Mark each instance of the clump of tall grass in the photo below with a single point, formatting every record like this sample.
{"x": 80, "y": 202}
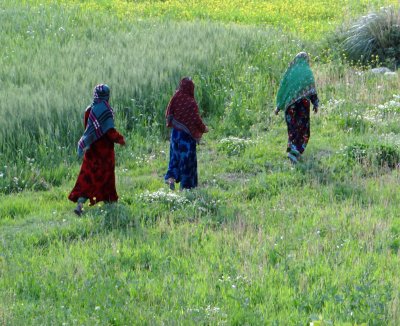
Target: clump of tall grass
{"x": 375, "y": 37}
{"x": 380, "y": 155}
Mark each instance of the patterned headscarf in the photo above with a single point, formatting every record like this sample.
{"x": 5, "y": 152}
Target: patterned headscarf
{"x": 297, "y": 82}
{"x": 183, "y": 113}
{"x": 186, "y": 86}
{"x": 101, "y": 93}
{"x": 101, "y": 118}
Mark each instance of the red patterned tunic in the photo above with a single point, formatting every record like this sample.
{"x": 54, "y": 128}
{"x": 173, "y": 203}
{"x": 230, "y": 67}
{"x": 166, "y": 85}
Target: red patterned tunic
{"x": 96, "y": 179}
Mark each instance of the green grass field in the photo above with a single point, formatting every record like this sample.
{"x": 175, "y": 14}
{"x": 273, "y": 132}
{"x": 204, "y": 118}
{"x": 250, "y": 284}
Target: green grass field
{"x": 260, "y": 242}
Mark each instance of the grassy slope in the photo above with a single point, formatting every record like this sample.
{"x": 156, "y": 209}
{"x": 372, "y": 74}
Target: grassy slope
{"x": 258, "y": 242}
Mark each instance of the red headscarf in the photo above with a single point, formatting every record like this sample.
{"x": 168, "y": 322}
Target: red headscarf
{"x": 182, "y": 111}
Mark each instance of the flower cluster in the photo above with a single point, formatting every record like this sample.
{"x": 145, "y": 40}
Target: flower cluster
{"x": 209, "y": 313}
{"x": 392, "y": 105}
{"x": 171, "y": 199}
{"x": 233, "y": 145}
{"x": 332, "y": 104}
{"x": 383, "y": 113}
{"x": 141, "y": 160}
{"x": 235, "y": 282}
{"x": 391, "y": 138}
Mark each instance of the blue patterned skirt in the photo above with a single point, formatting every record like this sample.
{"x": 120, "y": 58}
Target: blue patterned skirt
{"x": 182, "y": 160}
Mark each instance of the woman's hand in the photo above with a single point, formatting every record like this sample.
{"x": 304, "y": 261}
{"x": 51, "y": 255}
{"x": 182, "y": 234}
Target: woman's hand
{"x": 206, "y": 130}
{"x": 276, "y": 111}
{"x": 315, "y": 109}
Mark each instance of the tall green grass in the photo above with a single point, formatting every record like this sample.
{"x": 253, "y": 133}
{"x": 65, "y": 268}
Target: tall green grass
{"x": 375, "y": 37}
{"x": 55, "y": 56}
{"x": 52, "y": 61}
{"x": 306, "y": 19}
{"x": 279, "y": 246}
{"x": 260, "y": 241}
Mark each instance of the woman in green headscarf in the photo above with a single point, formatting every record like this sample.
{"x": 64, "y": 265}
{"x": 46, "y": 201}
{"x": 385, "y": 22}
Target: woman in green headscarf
{"x": 296, "y": 91}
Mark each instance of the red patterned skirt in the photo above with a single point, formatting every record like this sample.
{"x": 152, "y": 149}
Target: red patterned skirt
{"x": 297, "y": 119}
{"x": 96, "y": 179}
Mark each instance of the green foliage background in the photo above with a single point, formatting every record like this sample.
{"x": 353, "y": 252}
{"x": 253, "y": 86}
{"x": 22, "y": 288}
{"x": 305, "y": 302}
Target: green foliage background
{"x": 260, "y": 241}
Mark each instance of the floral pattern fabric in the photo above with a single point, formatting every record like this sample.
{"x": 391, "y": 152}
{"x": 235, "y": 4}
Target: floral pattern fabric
{"x": 297, "y": 118}
{"x": 183, "y": 113}
{"x": 183, "y": 160}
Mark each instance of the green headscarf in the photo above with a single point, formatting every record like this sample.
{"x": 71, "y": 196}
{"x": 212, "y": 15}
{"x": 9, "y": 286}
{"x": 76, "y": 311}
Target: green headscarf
{"x": 297, "y": 82}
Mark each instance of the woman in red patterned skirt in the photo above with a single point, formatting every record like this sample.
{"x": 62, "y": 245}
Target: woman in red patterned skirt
{"x": 96, "y": 179}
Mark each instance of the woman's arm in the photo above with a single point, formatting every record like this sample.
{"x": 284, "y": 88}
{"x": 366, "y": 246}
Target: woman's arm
{"x": 115, "y": 136}
{"x": 198, "y": 121}
{"x": 315, "y": 101}
{"x": 86, "y": 116}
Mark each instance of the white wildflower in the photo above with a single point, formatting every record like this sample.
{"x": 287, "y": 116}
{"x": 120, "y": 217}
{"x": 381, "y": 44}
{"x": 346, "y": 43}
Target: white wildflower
{"x": 161, "y": 196}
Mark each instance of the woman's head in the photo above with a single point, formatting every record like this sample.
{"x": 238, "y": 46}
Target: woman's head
{"x": 101, "y": 93}
{"x": 302, "y": 55}
{"x": 186, "y": 86}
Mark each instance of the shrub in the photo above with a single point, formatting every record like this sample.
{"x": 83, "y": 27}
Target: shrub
{"x": 379, "y": 155}
{"x": 375, "y": 36}
{"x": 387, "y": 155}
{"x": 233, "y": 146}
{"x": 357, "y": 152}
